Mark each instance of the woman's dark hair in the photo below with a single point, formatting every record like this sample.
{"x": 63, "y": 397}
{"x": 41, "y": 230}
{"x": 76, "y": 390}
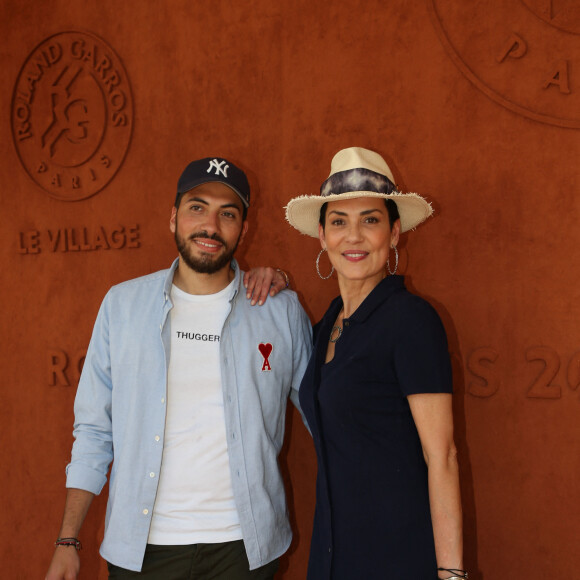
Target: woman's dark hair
{"x": 392, "y": 210}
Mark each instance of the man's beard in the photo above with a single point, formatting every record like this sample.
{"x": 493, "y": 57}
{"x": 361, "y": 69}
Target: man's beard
{"x": 207, "y": 263}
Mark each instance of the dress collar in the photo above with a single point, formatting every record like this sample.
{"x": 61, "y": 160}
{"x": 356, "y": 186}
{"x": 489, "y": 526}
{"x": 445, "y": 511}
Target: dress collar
{"x": 383, "y": 290}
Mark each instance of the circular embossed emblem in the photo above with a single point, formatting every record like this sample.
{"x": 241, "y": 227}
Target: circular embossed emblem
{"x": 520, "y": 53}
{"x": 563, "y": 14}
{"x": 72, "y": 115}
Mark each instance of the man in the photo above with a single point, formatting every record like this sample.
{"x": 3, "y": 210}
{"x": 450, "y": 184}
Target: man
{"x": 184, "y": 389}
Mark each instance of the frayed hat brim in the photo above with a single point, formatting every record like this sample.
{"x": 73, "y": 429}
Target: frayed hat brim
{"x": 303, "y": 212}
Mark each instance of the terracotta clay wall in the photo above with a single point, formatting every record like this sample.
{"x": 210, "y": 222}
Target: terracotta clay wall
{"x": 477, "y": 106}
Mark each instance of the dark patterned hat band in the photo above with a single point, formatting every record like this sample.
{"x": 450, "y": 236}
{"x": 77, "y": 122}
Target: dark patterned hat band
{"x": 358, "y": 179}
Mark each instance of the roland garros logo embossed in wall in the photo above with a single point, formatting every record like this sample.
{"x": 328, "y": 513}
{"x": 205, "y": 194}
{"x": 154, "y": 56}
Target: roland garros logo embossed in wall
{"x": 72, "y": 115}
{"x": 523, "y": 54}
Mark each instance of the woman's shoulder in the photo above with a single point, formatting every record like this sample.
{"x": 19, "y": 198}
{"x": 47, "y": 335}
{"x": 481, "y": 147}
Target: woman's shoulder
{"x": 405, "y": 298}
{"x": 408, "y": 307}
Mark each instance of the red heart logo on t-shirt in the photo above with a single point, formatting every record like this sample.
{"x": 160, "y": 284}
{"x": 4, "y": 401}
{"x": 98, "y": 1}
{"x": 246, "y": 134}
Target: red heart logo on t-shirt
{"x": 266, "y": 350}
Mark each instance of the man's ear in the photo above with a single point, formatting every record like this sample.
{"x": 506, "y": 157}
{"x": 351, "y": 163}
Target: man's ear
{"x": 243, "y": 232}
{"x": 172, "y": 220}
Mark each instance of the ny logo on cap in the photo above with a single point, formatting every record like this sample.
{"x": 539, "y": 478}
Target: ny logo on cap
{"x": 217, "y": 165}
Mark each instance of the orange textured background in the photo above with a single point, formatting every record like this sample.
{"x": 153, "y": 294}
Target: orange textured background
{"x": 279, "y": 87}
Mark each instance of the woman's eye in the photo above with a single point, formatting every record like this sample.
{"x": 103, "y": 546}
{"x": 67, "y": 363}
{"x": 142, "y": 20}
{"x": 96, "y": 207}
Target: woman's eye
{"x": 372, "y": 220}
{"x": 337, "y": 222}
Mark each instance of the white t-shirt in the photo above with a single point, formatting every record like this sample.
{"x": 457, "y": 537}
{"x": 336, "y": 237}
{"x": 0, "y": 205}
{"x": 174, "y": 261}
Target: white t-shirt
{"x": 195, "y": 500}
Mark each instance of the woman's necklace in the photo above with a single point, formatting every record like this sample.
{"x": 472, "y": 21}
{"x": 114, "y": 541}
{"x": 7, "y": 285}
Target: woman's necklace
{"x": 336, "y": 330}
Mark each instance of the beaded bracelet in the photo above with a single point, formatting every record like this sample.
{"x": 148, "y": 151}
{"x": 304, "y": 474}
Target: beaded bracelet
{"x": 456, "y": 573}
{"x": 69, "y": 542}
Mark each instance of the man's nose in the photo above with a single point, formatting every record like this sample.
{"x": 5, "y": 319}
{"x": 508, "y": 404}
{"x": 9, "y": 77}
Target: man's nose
{"x": 211, "y": 222}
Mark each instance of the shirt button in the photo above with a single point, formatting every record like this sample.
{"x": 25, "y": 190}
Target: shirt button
{"x": 233, "y": 435}
{"x": 151, "y": 474}
{"x": 345, "y": 322}
{"x": 163, "y": 399}
{"x": 161, "y": 327}
{"x": 145, "y": 512}
{"x": 157, "y": 437}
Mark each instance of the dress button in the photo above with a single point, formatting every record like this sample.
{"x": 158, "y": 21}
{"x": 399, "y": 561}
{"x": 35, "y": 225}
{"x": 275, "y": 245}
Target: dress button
{"x": 345, "y": 322}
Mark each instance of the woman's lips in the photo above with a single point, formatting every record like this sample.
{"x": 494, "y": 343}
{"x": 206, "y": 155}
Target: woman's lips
{"x": 355, "y": 255}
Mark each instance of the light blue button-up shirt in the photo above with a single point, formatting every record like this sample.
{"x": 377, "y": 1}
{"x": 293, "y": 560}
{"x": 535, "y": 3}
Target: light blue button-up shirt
{"x": 121, "y": 402}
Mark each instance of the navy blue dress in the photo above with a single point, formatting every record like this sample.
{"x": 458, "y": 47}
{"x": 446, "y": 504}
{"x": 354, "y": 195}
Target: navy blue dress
{"x": 372, "y": 518}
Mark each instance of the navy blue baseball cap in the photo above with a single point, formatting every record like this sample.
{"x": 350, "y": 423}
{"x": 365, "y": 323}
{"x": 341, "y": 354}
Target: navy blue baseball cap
{"x": 214, "y": 169}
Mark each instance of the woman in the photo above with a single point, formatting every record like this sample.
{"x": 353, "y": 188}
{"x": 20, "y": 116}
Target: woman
{"x": 377, "y": 391}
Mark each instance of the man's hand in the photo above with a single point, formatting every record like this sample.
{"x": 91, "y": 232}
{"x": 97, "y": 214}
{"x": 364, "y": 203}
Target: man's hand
{"x": 65, "y": 564}
{"x": 263, "y": 281}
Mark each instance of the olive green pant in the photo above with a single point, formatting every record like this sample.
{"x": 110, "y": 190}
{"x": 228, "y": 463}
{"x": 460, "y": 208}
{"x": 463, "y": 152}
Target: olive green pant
{"x": 227, "y": 561}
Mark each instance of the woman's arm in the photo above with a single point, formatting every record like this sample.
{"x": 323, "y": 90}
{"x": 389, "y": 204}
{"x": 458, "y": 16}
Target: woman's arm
{"x": 432, "y": 413}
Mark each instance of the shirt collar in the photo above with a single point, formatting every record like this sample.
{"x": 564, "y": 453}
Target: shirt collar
{"x": 237, "y": 278}
{"x": 169, "y": 279}
{"x": 171, "y": 272}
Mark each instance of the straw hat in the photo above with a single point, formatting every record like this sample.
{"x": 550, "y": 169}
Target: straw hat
{"x": 356, "y": 172}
